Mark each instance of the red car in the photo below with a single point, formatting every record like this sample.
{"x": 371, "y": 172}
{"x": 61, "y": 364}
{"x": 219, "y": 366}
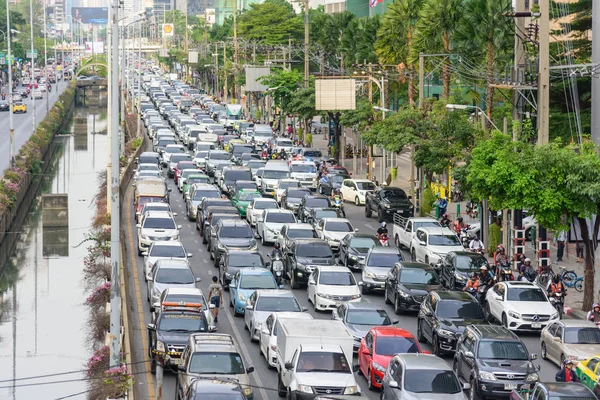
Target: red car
{"x": 378, "y": 347}
{"x": 181, "y": 165}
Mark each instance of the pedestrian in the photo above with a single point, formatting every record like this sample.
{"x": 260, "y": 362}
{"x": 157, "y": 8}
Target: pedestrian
{"x": 560, "y": 243}
{"x": 579, "y": 250}
{"x": 216, "y": 296}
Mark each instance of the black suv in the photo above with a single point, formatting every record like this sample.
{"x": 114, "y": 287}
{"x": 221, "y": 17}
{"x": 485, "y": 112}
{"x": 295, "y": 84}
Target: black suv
{"x": 233, "y": 261}
{"x": 309, "y": 203}
{"x": 202, "y": 211}
{"x": 231, "y": 234}
{"x": 290, "y": 200}
{"x": 302, "y": 256}
{"x": 458, "y": 266}
{"x": 407, "y": 284}
{"x": 494, "y": 361}
{"x": 443, "y": 318}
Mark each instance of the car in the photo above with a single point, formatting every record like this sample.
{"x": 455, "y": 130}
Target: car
{"x": 271, "y": 222}
{"x": 329, "y": 182}
{"x": 317, "y": 214}
{"x": 333, "y": 230}
{"x": 244, "y": 283}
{"x": 284, "y": 144}
{"x": 356, "y": 189}
{"x": 213, "y": 219}
{"x": 196, "y": 194}
{"x": 309, "y": 203}
{"x": 242, "y": 199}
{"x": 569, "y": 340}
{"x": 156, "y": 225}
{"x": 419, "y": 377}
{"x": 239, "y": 185}
{"x": 520, "y": 306}
{"x": 182, "y": 166}
{"x": 145, "y": 167}
{"x": 232, "y": 174}
{"x": 264, "y": 302}
{"x": 200, "y": 158}
{"x": 310, "y": 154}
{"x": 291, "y": 232}
{"x": 267, "y": 341}
{"x": 354, "y": 248}
{"x": 148, "y": 157}
{"x": 430, "y": 245}
{"x": 182, "y": 296}
{"x": 283, "y": 184}
{"x": 302, "y": 257}
{"x": 37, "y": 94}
{"x": 212, "y": 389}
{"x": 215, "y": 158}
{"x": 407, "y": 284}
{"x": 4, "y": 106}
{"x": 184, "y": 176}
{"x": 192, "y": 178}
{"x": 379, "y": 261}
{"x": 493, "y": 361}
{"x": 19, "y": 107}
{"x": 232, "y": 234}
{"x": 359, "y": 318}
{"x": 588, "y": 370}
{"x": 208, "y": 355}
{"x": 203, "y": 209}
{"x": 291, "y": 197}
{"x": 153, "y": 207}
{"x": 458, "y": 266}
{"x": 171, "y": 249}
{"x": 330, "y": 285}
{"x": 256, "y": 206}
{"x": 174, "y": 160}
{"x": 234, "y": 260}
{"x": 386, "y": 202}
{"x": 167, "y": 273}
{"x": 168, "y": 153}
{"x": 378, "y": 347}
{"x": 443, "y": 317}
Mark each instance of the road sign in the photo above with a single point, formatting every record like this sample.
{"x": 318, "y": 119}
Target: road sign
{"x": 35, "y": 54}
{"x": 2, "y": 59}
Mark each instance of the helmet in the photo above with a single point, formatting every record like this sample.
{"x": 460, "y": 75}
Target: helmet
{"x": 527, "y": 260}
{"x": 500, "y": 248}
{"x": 277, "y": 245}
{"x": 596, "y": 305}
{"x": 567, "y": 361}
{"x": 460, "y": 220}
{"x": 483, "y": 268}
{"x": 384, "y": 184}
{"x": 445, "y": 216}
{"x": 383, "y": 224}
{"x": 555, "y": 279}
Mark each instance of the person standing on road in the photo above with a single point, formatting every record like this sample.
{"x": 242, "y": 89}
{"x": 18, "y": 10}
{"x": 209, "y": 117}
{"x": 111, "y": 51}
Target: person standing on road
{"x": 560, "y": 243}
{"x": 216, "y": 296}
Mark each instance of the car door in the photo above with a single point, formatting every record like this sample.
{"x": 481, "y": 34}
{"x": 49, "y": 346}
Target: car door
{"x": 249, "y": 210}
{"x": 407, "y": 237}
{"x": 233, "y": 288}
{"x": 344, "y": 243}
{"x": 352, "y": 191}
{"x": 249, "y": 312}
{"x": 265, "y": 334}
{"x": 345, "y": 189}
{"x": 282, "y": 238}
{"x": 319, "y": 227}
{"x": 390, "y": 283}
{"x": 365, "y": 354}
{"x": 290, "y": 259}
{"x": 428, "y": 316}
{"x": 555, "y": 351}
{"x": 313, "y": 280}
{"x": 390, "y": 375}
{"x": 466, "y": 364}
{"x": 446, "y": 271}
{"x": 422, "y": 246}
{"x": 260, "y": 223}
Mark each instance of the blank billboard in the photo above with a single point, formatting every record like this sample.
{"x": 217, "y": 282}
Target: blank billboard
{"x": 252, "y": 75}
{"x": 335, "y": 94}
{"x": 90, "y": 15}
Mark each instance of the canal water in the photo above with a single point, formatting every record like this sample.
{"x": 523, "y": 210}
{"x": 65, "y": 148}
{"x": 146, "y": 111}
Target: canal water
{"x": 43, "y": 332}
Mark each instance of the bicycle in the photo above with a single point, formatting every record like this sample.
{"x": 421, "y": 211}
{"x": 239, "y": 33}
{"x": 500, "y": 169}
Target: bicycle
{"x": 570, "y": 279}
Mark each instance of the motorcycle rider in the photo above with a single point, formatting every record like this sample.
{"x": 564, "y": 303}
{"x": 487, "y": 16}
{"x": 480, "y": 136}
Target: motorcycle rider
{"x": 382, "y": 230}
{"x": 594, "y": 314}
{"x": 556, "y": 287}
{"x": 500, "y": 258}
{"x": 445, "y": 221}
{"x": 276, "y": 251}
{"x": 476, "y": 245}
{"x": 282, "y": 154}
{"x": 459, "y": 225}
{"x": 374, "y": 180}
{"x": 486, "y": 277}
{"x": 442, "y": 204}
{"x": 337, "y": 198}
{"x": 528, "y": 272}
{"x": 472, "y": 284}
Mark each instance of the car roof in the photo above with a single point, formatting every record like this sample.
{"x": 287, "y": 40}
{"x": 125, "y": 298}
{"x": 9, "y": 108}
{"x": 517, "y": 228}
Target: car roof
{"x": 412, "y": 264}
{"x": 184, "y": 290}
{"x": 255, "y": 271}
{"x": 359, "y": 235}
{"x": 423, "y": 361}
{"x": 248, "y": 190}
{"x": 567, "y": 390}
{"x": 279, "y": 211}
{"x": 173, "y": 263}
{"x": 275, "y": 293}
{"x": 307, "y": 227}
{"x": 332, "y": 268}
{"x": 358, "y": 180}
{"x": 520, "y": 284}
{"x": 364, "y": 306}
{"x": 336, "y": 219}
{"x": 436, "y": 231}
{"x": 301, "y": 241}
{"x": 234, "y": 222}
{"x": 159, "y": 214}
{"x": 172, "y": 243}
{"x": 576, "y": 323}
{"x": 493, "y": 332}
{"x": 461, "y": 296}
{"x": 390, "y": 330}
{"x": 384, "y": 250}
{"x": 208, "y": 387}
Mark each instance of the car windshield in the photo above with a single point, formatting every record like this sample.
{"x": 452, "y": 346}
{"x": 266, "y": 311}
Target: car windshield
{"x": 175, "y": 158}
{"x": 245, "y": 260}
{"x": 174, "y": 276}
{"x": 296, "y": 194}
{"x": 148, "y": 167}
{"x": 210, "y": 194}
{"x": 383, "y": 260}
{"x": 326, "y": 214}
{"x": 236, "y": 232}
{"x": 317, "y": 202}
{"x": 341, "y": 278}
{"x": 165, "y": 142}
{"x": 181, "y": 323}
{"x": 258, "y": 282}
{"x": 431, "y": 381}
{"x": 232, "y": 176}
{"x": 219, "y": 156}
{"x": 187, "y": 165}
{"x": 304, "y": 168}
{"x": 197, "y": 179}
{"x": 394, "y": 194}
{"x": 277, "y": 304}
{"x": 390, "y": 345}
{"x": 239, "y": 150}
{"x": 338, "y": 226}
{"x": 275, "y": 174}
{"x": 313, "y": 153}
{"x": 233, "y": 394}
{"x": 255, "y": 164}
{"x": 176, "y": 149}
{"x": 216, "y": 363}
{"x": 288, "y": 184}
{"x": 418, "y": 276}
{"x": 337, "y": 178}
{"x": 167, "y": 251}
{"x": 301, "y": 233}
{"x": 525, "y": 294}
{"x": 247, "y": 196}
{"x": 187, "y": 172}
{"x": 187, "y": 298}
{"x": 368, "y": 317}
{"x": 365, "y": 185}
{"x": 263, "y": 134}
{"x": 579, "y": 335}
{"x": 469, "y": 263}
{"x": 314, "y": 250}
{"x": 265, "y": 205}
{"x": 201, "y": 154}
{"x": 451, "y": 309}
{"x": 159, "y": 223}
{"x": 280, "y": 217}
{"x": 322, "y": 362}
{"x": 146, "y": 200}
{"x": 149, "y": 160}
{"x": 498, "y": 350}
{"x": 363, "y": 243}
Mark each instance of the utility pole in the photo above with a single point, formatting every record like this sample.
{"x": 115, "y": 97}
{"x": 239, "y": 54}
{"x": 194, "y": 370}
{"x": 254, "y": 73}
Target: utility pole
{"x": 32, "y": 72}
{"x": 290, "y": 54}
{"x": 9, "y": 62}
{"x": 543, "y": 117}
{"x": 235, "y": 53}
{"x": 418, "y": 184}
{"x": 596, "y": 62}
{"x": 306, "y": 42}
{"x": 370, "y": 166}
{"x": 217, "y": 70}
{"x": 139, "y": 82}
{"x": 45, "y": 60}
{"x": 225, "y": 94}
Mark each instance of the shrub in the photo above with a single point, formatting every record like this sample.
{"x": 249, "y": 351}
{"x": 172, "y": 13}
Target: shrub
{"x": 308, "y": 141}
{"x": 428, "y": 200}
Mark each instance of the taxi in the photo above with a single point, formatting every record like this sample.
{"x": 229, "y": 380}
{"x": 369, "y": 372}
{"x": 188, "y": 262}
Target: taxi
{"x": 19, "y": 108}
{"x": 232, "y": 141}
{"x": 588, "y": 370}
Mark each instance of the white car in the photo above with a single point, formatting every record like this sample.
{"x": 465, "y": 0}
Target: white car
{"x": 37, "y": 94}
{"x": 305, "y": 172}
{"x": 256, "y": 208}
{"x": 153, "y": 207}
{"x": 333, "y": 230}
{"x": 205, "y": 146}
{"x": 164, "y": 249}
{"x": 167, "y": 273}
{"x": 328, "y": 286}
{"x": 356, "y": 189}
{"x": 154, "y": 226}
{"x": 268, "y": 334}
{"x": 282, "y": 185}
{"x": 170, "y": 150}
{"x": 431, "y": 245}
{"x": 269, "y": 224}
{"x": 291, "y": 232}
{"x": 520, "y": 306}
{"x": 264, "y": 302}
{"x": 284, "y": 144}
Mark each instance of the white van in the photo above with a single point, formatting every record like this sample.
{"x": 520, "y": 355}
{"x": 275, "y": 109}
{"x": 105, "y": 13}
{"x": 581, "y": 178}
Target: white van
{"x": 305, "y": 172}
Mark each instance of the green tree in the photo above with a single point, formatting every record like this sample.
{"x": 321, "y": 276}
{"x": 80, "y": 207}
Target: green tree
{"x": 303, "y": 103}
{"x": 272, "y": 22}
{"x": 219, "y": 33}
{"x": 283, "y": 86}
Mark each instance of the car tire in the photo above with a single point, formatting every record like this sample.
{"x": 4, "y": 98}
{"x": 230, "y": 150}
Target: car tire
{"x": 386, "y": 298}
{"x": 321, "y": 190}
{"x": 452, "y": 284}
{"x": 397, "y": 309}
{"x": 281, "y": 390}
{"x": 544, "y": 352}
{"x": 380, "y": 215}
{"x": 435, "y": 344}
{"x": 153, "y": 366}
{"x": 370, "y": 381}
{"x": 364, "y": 290}
{"x": 413, "y": 255}
{"x": 473, "y": 392}
{"x": 427, "y": 260}
{"x": 293, "y": 283}
{"x": 356, "y": 201}
{"x": 504, "y": 321}
{"x": 420, "y": 337}
{"x": 487, "y": 312}
{"x": 368, "y": 212}
{"x": 262, "y": 240}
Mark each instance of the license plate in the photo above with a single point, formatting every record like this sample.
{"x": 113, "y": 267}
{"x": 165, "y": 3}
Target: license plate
{"x": 536, "y": 325}
{"x": 175, "y": 361}
{"x": 510, "y": 386}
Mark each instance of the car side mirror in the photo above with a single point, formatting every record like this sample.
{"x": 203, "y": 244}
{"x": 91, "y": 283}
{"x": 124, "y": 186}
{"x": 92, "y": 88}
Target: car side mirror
{"x": 212, "y": 328}
{"x": 174, "y": 214}
{"x": 311, "y": 282}
{"x": 469, "y": 354}
{"x": 187, "y": 196}
{"x": 138, "y": 225}
{"x": 394, "y": 322}
{"x": 256, "y": 236}
{"x": 181, "y": 368}
{"x": 151, "y": 327}
{"x": 149, "y": 278}
{"x": 355, "y": 229}
{"x": 360, "y": 283}
{"x": 466, "y": 386}
{"x": 265, "y": 331}
{"x": 249, "y": 307}
{"x": 250, "y": 369}
{"x": 304, "y": 309}
{"x": 538, "y": 367}
{"x": 355, "y": 368}
{"x": 179, "y": 226}
{"x": 393, "y": 384}
{"x": 534, "y": 356}
{"x": 288, "y": 365}
{"x": 428, "y": 314}
{"x": 198, "y": 279}
{"x": 144, "y": 253}
{"x": 422, "y": 243}
{"x": 557, "y": 339}
{"x": 190, "y": 255}
{"x": 366, "y": 352}
{"x": 499, "y": 298}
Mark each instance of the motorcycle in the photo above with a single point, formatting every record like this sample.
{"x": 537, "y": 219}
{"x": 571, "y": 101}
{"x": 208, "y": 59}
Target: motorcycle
{"x": 558, "y": 301}
{"x": 337, "y": 203}
{"x": 465, "y": 237}
{"x": 506, "y": 273}
{"x": 277, "y": 268}
{"x": 472, "y": 292}
{"x": 384, "y": 240}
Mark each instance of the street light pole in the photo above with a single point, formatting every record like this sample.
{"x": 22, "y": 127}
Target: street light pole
{"x": 32, "y": 61}
{"x": 9, "y": 63}
{"x": 139, "y": 80}
{"x": 465, "y": 107}
{"x": 46, "y": 60}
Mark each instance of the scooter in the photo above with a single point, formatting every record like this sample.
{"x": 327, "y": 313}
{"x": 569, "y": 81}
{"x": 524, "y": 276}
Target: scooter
{"x": 384, "y": 240}
{"x": 277, "y": 268}
{"x": 337, "y": 203}
{"x": 558, "y": 301}
{"x": 465, "y": 237}
{"x": 506, "y": 273}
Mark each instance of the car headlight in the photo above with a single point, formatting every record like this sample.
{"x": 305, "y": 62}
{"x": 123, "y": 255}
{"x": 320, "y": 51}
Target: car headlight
{"x": 386, "y": 205}
{"x": 355, "y": 296}
{"x": 273, "y": 231}
{"x": 305, "y": 389}
{"x": 221, "y": 247}
{"x": 533, "y": 377}
{"x": 160, "y": 346}
{"x": 357, "y": 338}
{"x": 554, "y": 316}
{"x": 175, "y": 237}
{"x": 488, "y": 376}
{"x": 445, "y": 332}
{"x": 460, "y": 278}
{"x": 247, "y": 392}
{"x": 324, "y": 295}
{"x": 354, "y": 258}
{"x": 228, "y": 275}
{"x": 514, "y": 314}
{"x": 254, "y": 246}
{"x": 403, "y": 294}
{"x": 378, "y": 367}
{"x": 241, "y": 296}
{"x": 144, "y": 237}
{"x": 301, "y": 267}
{"x": 155, "y": 292}
{"x": 370, "y": 275}
{"x": 351, "y": 390}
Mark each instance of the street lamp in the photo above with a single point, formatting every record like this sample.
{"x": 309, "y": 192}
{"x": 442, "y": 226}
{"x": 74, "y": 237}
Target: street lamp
{"x": 451, "y": 107}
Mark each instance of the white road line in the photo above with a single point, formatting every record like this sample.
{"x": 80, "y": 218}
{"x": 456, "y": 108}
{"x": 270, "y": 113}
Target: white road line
{"x": 369, "y": 226}
{"x": 196, "y": 241}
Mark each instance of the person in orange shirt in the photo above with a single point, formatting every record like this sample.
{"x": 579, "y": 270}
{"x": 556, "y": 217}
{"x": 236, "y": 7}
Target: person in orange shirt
{"x": 472, "y": 284}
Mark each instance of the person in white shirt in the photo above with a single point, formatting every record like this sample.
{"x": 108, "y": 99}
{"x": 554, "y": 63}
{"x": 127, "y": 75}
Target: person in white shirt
{"x": 560, "y": 244}
{"x": 476, "y": 244}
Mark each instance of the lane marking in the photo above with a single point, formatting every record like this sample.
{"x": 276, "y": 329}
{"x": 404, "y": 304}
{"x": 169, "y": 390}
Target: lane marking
{"x": 368, "y": 225}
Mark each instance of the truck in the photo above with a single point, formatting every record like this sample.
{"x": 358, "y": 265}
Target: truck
{"x": 553, "y": 390}
{"x": 149, "y": 191}
{"x": 405, "y": 228}
{"x": 314, "y": 357}
{"x": 387, "y": 201}
{"x": 233, "y": 113}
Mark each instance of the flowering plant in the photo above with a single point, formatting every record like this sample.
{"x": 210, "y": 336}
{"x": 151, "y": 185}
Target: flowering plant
{"x": 99, "y": 296}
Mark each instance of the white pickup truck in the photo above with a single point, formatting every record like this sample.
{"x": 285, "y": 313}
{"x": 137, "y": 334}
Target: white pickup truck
{"x": 314, "y": 357}
{"x": 405, "y": 228}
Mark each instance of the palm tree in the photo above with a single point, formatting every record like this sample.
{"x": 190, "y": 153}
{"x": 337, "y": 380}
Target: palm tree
{"x": 485, "y": 34}
{"x": 435, "y": 28}
{"x": 395, "y": 37}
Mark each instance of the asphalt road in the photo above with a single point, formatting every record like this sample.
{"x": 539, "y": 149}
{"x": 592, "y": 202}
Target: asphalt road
{"x": 203, "y": 267}
{"x": 23, "y": 123}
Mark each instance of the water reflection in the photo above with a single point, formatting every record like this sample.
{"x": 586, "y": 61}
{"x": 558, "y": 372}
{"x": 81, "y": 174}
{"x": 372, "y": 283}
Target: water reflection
{"x": 42, "y": 316}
